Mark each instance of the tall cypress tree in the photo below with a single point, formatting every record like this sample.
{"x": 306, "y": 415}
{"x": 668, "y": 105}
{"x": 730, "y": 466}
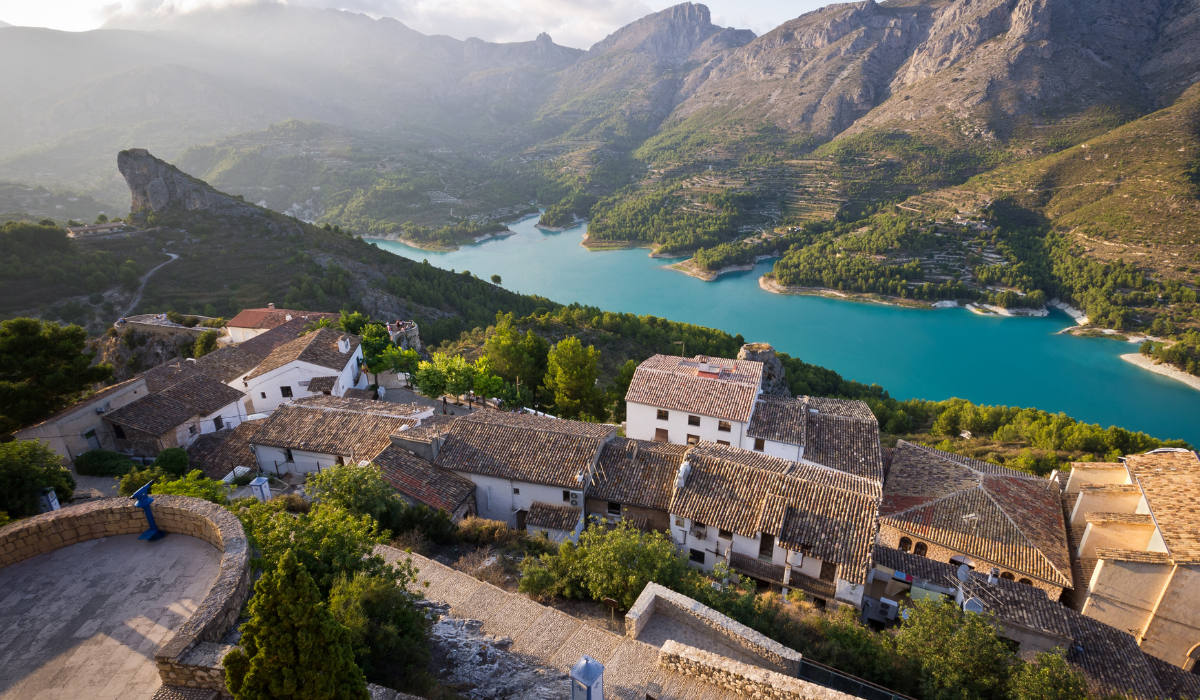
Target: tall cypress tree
{"x": 292, "y": 647}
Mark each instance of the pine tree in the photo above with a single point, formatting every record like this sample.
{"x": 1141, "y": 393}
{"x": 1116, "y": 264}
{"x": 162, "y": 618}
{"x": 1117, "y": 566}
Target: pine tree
{"x": 292, "y": 647}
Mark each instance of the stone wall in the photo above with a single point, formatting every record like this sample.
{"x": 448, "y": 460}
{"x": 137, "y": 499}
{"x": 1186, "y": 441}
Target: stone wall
{"x": 656, "y": 599}
{"x": 192, "y": 657}
{"x": 744, "y": 679}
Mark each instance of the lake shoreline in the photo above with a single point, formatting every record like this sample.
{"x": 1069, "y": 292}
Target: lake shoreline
{"x": 689, "y": 268}
{"x": 1149, "y": 363}
{"x": 770, "y": 285}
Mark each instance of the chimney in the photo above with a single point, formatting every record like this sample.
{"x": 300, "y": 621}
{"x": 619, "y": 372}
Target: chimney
{"x": 993, "y": 576}
{"x": 287, "y": 317}
{"x": 270, "y": 304}
{"x": 344, "y": 344}
{"x": 681, "y": 478}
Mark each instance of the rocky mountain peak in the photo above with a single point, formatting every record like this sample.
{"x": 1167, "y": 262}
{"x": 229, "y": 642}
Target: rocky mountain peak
{"x": 155, "y": 185}
{"x": 670, "y": 36}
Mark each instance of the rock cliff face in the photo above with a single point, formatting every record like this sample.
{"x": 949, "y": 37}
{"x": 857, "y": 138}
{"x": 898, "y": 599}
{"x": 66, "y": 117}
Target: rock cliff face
{"x": 156, "y": 185}
{"x": 774, "y": 383}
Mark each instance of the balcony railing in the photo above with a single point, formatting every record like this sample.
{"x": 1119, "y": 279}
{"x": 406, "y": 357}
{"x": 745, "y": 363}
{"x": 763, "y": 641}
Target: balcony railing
{"x": 698, "y": 533}
{"x": 764, "y": 571}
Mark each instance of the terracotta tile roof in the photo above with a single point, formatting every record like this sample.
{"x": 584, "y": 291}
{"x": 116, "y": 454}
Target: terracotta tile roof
{"x": 421, "y": 481}
{"x": 779, "y": 420}
{"x": 637, "y": 473}
{"x": 924, "y": 568}
{"x": 228, "y": 363}
{"x": 168, "y": 374}
{"x": 1122, "y": 518}
{"x": 1097, "y": 465}
{"x": 554, "y": 517}
{"x": 348, "y": 403}
{"x": 1015, "y": 522}
{"x": 1133, "y": 555}
{"x": 727, "y": 392}
{"x": 264, "y": 343}
{"x": 850, "y": 445}
{"x": 273, "y": 318}
{"x": 1175, "y": 682}
{"x": 809, "y": 472}
{"x": 1111, "y": 660}
{"x": 1170, "y": 480}
{"x": 318, "y": 348}
{"x": 329, "y": 430}
{"x": 1017, "y": 603}
{"x": 429, "y": 429}
{"x": 216, "y": 454}
{"x": 203, "y": 393}
{"x": 524, "y": 448}
{"x": 322, "y": 383}
{"x": 841, "y": 407}
{"x": 154, "y": 414}
{"x": 831, "y": 523}
{"x": 361, "y": 394}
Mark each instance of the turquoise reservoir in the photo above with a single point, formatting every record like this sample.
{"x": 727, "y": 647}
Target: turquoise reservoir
{"x": 930, "y": 354}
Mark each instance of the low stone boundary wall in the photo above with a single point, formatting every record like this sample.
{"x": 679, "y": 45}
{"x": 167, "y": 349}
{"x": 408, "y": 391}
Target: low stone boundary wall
{"x": 191, "y": 658}
{"x": 656, "y": 599}
{"x": 744, "y": 679}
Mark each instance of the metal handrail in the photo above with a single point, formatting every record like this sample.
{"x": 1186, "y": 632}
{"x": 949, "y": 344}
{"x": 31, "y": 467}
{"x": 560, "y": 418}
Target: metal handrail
{"x": 831, "y": 678}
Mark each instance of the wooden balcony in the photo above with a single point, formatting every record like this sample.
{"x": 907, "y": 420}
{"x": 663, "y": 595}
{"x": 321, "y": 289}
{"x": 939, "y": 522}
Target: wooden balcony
{"x": 755, "y": 568}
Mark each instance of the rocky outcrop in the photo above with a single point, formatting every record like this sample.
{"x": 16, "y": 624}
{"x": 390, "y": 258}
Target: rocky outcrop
{"x": 156, "y": 186}
{"x": 774, "y": 382}
{"x": 669, "y": 37}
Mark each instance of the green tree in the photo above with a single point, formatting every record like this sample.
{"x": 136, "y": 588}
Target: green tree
{"x": 1050, "y": 678}
{"x": 206, "y": 343}
{"x": 619, "y": 388}
{"x": 514, "y": 355}
{"x": 292, "y": 647}
{"x": 317, "y": 325}
{"x": 375, "y": 340}
{"x": 959, "y": 656}
{"x": 460, "y": 374}
{"x": 399, "y": 361}
{"x": 27, "y": 467}
{"x": 387, "y": 629}
{"x": 359, "y": 490}
{"x": 43, "y": 367}
{"x": 103, "y": 463}
{"x": 353, "y": 322}
{"x": 328, "y": 540}
{"x": 571, "y": 373}
{"x": 487, "y": 384}
{"x": 429, "y": 380}
{"x": 196, "y": 485}
{"x": 173, "y": 460}
{"x": 495, "y": 279}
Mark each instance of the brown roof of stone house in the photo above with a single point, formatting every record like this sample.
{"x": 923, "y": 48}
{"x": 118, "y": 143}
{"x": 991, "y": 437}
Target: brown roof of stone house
{"x": 1097, "y": 465}
{"x": 553, "y": 517}
{"x": 228, "y": 363}
{"x": 168, "y": 374}
{"x": 1015, "y": 522}
{"x": 846, "y": 408}
{"x": 831, "y": 523}
{"x": 779, "y": 420}
{"x": 329, "y": 430}
{"x": 524, "y": 448}
{"x": 264, "y": 343}
{"x": 322, "y": 383}
{"x": 203, "y": 393}
{"x": 421, "y": 481}
{"x": 430, "y": 428}
{"x": 637, "y": 473}
{"x": 154, "y": 414}
{"x": 1109, "y": 659}
{"x": 1170, "y": 480}
{"x": 850, "y": 445}
{"x": 676, "y": 383}
{"x": 217, "y": 453}
{"x": 360, "y": 394}
{"x": 273, "y": 318}
{"x": 318, "y": 348}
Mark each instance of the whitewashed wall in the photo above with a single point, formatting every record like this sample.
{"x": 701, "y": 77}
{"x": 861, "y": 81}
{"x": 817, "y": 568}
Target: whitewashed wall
{"x": 642, "y": 421}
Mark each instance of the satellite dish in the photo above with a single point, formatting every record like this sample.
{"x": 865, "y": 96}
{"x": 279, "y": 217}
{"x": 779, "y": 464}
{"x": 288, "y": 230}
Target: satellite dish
{"x": 963, "y": 572}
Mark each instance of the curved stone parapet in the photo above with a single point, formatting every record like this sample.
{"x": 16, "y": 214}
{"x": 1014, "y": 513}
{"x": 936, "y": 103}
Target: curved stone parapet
{"x": 192, "y": 656}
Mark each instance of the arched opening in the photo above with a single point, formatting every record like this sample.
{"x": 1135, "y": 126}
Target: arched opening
{"x": 1026, "y": 581}
{"x": 920, "y": 549}
{"x": 1007, "y": 576}
{"x": 905, "y": 544}
{"x": 959, "y": 560}
{"x": 1193, "y": 660}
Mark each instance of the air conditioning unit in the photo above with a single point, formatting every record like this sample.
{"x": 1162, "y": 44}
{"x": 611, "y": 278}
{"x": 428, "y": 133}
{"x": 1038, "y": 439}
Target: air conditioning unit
{"x": 576, "y": 499}
{"x": 887, "y": 608}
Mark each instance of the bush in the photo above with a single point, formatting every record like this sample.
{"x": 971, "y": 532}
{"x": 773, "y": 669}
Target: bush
{"x": 362, "y": 491}
{"x": 1048, "y": 679}
{"x": 137, "y": 478}
{"x": 27, "y": 467}
{"x": 173, "y": 460}
{"x": 387, "y": 629}
{"x": 196, "y": 485}
{"x": 293, "y": 503}
{"x": 103, "y": 463}
{"x": 244, "y": 479}
{"x": 483, "y": 532}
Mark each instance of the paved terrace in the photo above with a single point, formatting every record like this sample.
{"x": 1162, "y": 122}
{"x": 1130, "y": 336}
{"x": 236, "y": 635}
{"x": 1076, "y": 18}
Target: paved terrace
{"x": 552, "y": 638}
{"x": 85, "y": 621}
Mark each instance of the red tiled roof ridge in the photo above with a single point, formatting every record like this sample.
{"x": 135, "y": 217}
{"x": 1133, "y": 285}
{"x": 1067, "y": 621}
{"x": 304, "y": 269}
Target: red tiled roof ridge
{"x": 1025, "y": 536}
{"x": 971, "y": 462}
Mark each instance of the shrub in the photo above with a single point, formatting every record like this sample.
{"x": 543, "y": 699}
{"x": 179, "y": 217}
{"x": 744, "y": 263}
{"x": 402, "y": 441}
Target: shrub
{"x": 958, "y": 655}
{"x": 27, "y": 467}
{"x": 387, "y": 629}
{"x": 173, "y": 460}
{"x": 1048, "y": 679}
{"x": 244, "y": 479}
{"x": 137, "y": 478}
{"x": 293, "y": 503}
{"x": 103, "y": 463}
{"x": 196, "y": 485}
{"x": 483, "y": 532}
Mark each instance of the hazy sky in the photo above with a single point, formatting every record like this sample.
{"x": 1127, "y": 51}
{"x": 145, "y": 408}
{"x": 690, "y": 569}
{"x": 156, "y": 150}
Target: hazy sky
{"x": 571, "y": 22}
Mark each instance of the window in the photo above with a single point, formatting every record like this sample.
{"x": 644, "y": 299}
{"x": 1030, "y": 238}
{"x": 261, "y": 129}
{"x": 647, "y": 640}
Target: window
{"x": 1007, "y": 576}
{"x": 516, "y": 490}
{"x": 722, "y": 442}
{"x": 1026, "y": 581}
{"x": 660, "y": 435}
{"x": 693, "y": 439}
{"x": 264, "y": 394}
{"x": 218, "y": 423}
{"x": 724, "y": 426}
{"x": 614, "y": 508}
{"x": 828, "y": 571}
{"x": 286, "y": 391}
{"x": 696, "y": 556}
{"x": 759, "y": 444}
{"x": 905, "y": 544}
{"x": 678, "y": 522}
{"x": 693, "y": 420}
{"x": 288, "y": 454}
{"x": 663, "y": 415}
{"x": 725, "y": 534}
{"x": 566, "y": 496}
{"x": 766, "y": 546}
{"x": 920, "y": 549}
{"x": 119, "y": 432}
{"x": 191, "y": 430}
